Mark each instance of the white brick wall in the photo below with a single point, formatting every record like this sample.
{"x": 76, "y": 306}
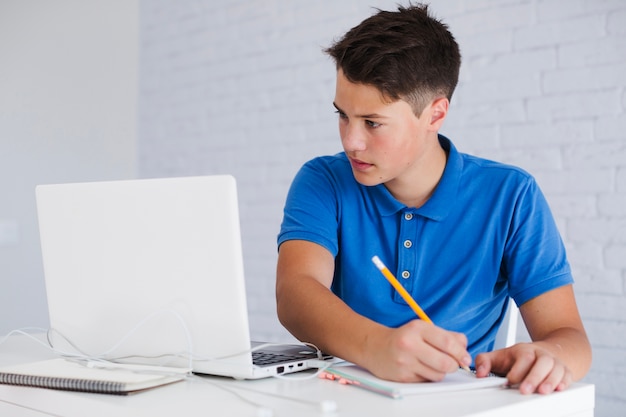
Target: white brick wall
{"x": 242, "y": 87}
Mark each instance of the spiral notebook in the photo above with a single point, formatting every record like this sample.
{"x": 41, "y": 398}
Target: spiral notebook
{"x": 62, "y": 374}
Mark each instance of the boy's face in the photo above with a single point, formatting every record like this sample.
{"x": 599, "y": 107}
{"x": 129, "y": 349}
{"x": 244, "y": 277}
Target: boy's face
{"x": 384, "y": 141}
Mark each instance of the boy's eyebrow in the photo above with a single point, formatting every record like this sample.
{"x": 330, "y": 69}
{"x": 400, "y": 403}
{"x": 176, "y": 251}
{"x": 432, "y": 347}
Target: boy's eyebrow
{"x": 362, "y": 116}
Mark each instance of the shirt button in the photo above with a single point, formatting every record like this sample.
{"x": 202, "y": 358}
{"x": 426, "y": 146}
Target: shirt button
{"x": 406, "y": 274}
{"x": 408, "y": 243}
{"x": 408, "y": 216}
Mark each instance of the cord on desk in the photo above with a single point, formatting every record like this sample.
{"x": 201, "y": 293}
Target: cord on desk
{"x": 101, "y": 360}
{"x": 107, "y": 357}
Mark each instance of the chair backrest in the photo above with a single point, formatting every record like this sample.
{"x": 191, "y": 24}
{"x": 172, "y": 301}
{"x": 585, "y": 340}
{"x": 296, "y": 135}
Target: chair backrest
{"x": 508, "y": 330}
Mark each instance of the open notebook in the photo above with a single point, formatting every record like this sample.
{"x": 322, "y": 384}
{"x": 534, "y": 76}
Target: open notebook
{"x": 151, "y": 271}
{"x": 457, "y": 381}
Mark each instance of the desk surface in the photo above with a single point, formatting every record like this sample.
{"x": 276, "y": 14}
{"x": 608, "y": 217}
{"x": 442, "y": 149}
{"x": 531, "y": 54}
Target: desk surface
{"x": 278, "y": 397}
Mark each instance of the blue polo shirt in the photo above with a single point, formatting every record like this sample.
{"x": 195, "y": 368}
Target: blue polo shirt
{"x": 485, "y": 234}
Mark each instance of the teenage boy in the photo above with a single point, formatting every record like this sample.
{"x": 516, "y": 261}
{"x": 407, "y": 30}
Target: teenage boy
{"x": 463, "y": 234}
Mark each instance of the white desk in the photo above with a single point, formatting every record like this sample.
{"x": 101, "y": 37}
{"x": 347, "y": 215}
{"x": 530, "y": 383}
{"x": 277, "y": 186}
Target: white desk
{"x": 204, "y": 397}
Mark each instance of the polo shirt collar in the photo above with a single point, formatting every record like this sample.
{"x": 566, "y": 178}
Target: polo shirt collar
{"x": 440, "y": 203}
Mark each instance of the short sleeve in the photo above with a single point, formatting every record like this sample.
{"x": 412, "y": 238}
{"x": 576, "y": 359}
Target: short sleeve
{"x": 311, "y": 209}
{"x": 535, "y": 259}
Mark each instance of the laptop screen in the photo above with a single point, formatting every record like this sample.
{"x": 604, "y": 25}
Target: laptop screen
{"x": 146, "y": 270}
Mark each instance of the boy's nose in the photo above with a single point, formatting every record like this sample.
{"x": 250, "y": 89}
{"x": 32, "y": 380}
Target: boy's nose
{"x": 352, "y": 139}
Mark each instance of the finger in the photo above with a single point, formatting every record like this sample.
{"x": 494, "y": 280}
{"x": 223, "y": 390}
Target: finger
{"x": 559, "y": 379}
{"x": 437, "y": 364}
{"x": 462, "y": 355}
{"x": 552, "y": 381}
{"x": 453, "y": 345}
{"x": 498, "y": 362}
{"x": 523, "y": 361}
{"x": 567, "y": 380}
{"x": 483, "y": 364}
{"x": 542, "y": 367}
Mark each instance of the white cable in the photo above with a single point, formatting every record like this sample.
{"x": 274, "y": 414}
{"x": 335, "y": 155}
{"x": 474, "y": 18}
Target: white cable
{"x": 107, "y": 354}
{"x": 143, "y": 322}
{"x": 106, "y": 357}
{"x": 24, "y": 332}
{"x": 100, "y": 361}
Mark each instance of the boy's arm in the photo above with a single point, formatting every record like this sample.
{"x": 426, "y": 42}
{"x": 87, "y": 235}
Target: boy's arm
{"x": 559, "y": 354}
{"x": 307, "y": 307}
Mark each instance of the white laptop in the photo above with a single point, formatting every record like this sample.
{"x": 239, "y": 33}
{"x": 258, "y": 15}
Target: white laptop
{"x": 151, "y": 271}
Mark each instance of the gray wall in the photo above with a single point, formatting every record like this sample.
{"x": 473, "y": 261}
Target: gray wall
{"x": 68, "y": 98}
{"x": 242, "y": 87}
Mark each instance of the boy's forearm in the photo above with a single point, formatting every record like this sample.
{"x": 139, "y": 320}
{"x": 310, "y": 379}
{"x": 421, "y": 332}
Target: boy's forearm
{"x": 313, "y": 314}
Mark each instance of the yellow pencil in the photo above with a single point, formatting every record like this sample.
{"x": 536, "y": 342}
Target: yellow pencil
{"x": 404, "y": 293}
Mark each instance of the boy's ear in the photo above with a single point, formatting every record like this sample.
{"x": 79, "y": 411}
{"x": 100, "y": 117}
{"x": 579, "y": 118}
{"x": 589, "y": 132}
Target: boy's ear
{"x": 438, "y": 112}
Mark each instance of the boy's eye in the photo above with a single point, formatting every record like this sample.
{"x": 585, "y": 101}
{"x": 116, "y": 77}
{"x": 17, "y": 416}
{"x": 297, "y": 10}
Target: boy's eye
{"x": 341, "y": 114}
{"x": 371, "y": 123}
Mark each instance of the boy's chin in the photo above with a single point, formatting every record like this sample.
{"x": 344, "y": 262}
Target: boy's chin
{"x": 367, "y": 180}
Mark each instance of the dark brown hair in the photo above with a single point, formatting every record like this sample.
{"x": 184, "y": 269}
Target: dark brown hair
{"x": 407, "y": 55}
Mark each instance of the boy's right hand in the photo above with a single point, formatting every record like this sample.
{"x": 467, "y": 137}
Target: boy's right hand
{"x": 416, "y": 352}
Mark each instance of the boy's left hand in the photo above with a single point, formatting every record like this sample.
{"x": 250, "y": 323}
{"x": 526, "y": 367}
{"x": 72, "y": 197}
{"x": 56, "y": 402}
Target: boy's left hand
{"x": 527, "y": 365}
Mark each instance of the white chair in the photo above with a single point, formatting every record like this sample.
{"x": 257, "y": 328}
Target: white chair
{"x": 507, "y": 332}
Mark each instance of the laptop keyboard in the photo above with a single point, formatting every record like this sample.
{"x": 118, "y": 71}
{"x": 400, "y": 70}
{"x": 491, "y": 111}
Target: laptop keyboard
{"x": 261, "y": 358}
